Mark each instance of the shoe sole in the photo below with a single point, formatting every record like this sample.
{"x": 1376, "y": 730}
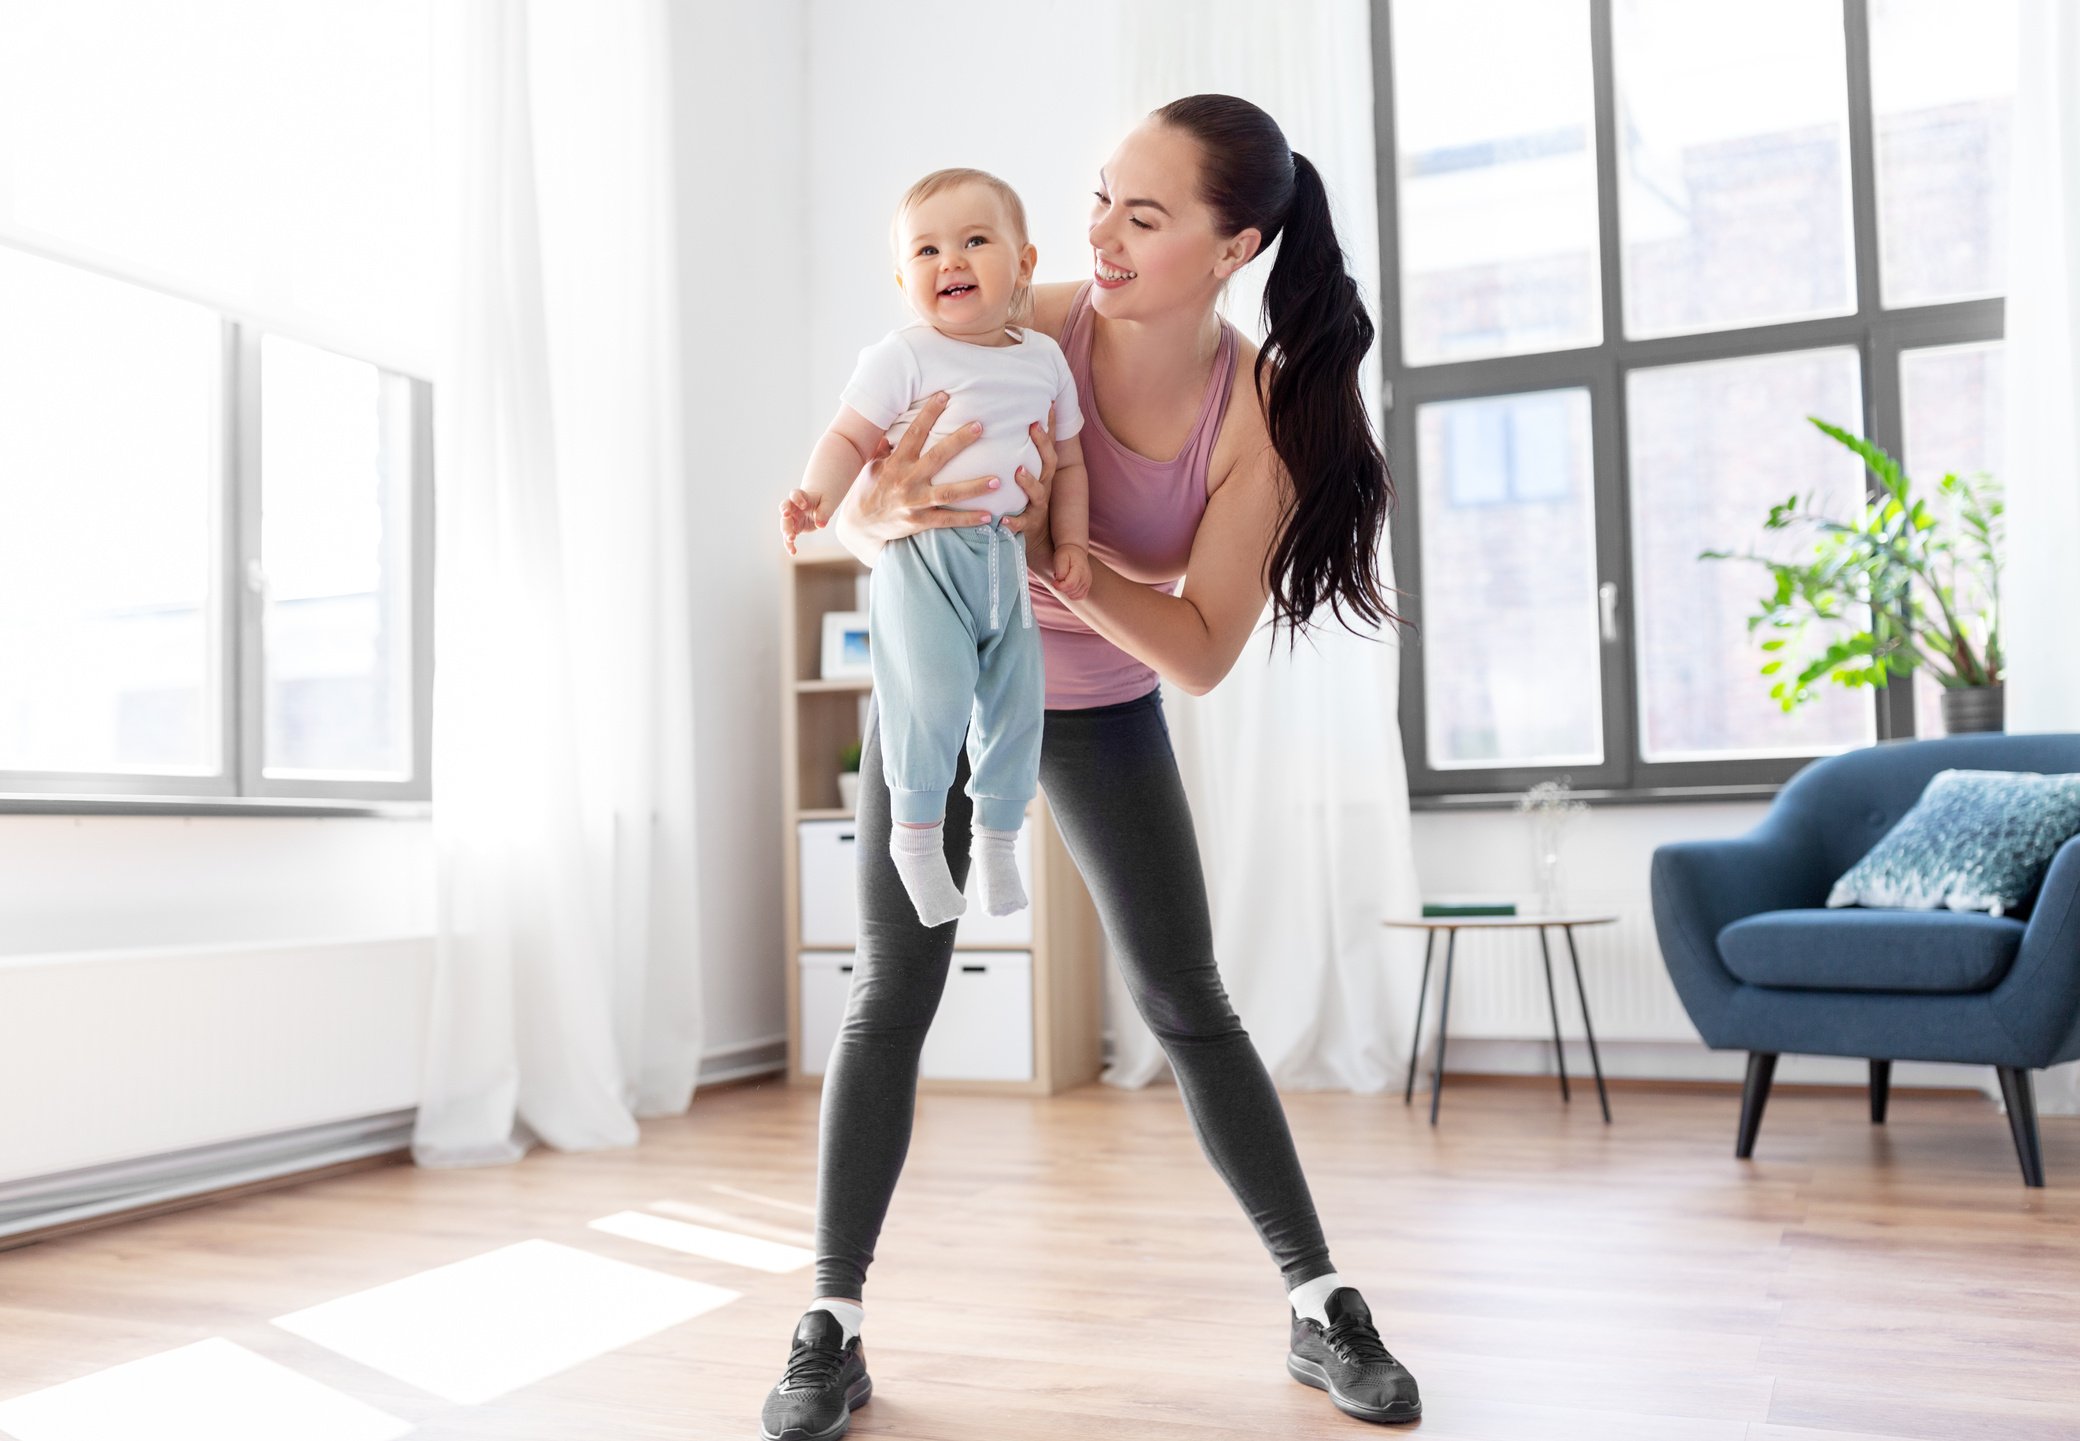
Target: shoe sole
{"x": 855, "y": 1397}
{"x": 1309, "y": 1373}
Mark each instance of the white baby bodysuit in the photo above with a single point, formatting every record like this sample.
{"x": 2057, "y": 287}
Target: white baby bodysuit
{"x": 1006, "y": 387}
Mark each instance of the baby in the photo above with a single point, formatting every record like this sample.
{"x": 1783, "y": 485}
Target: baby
{"x": 949, "y": 629}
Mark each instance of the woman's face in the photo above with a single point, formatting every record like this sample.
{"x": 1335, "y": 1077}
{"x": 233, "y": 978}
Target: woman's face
{"x": 1154, "y": 245}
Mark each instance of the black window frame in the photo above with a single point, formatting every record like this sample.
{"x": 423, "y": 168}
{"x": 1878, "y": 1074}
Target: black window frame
{"x": 1879, "y": 335}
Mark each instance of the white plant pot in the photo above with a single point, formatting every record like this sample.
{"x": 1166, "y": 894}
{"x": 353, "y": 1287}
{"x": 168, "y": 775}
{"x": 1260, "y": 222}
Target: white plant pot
{"x": 848, "y": 790}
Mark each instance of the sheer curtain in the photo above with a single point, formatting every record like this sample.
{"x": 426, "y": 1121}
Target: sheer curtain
{"x": 1293, "y": 763}
{"x": 2040, "y": 587}
{"x": 567, "y": 997}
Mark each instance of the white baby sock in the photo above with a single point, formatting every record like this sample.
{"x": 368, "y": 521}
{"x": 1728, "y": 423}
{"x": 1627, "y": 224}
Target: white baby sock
{"x": 920, "y": 856}
{"x": 1309, "y": 1297}
{"x": 1001, "y": 892}
{"x": 849, "y": 1316}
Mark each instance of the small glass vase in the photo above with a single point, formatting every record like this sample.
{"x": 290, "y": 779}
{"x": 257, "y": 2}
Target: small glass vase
{"x": 1546, "y": 831}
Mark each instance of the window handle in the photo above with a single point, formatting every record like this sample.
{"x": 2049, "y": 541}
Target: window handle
{"x": 1607, "y": 607}
{"x": 256, "y": 577}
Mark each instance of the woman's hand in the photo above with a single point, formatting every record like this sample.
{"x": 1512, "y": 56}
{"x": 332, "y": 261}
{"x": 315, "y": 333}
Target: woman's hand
{"x": 895, "y": 495}
{"x": 1032, "y": 521}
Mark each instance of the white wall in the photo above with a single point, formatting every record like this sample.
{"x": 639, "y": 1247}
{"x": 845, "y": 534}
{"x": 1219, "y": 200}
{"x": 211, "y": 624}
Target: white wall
{"x": 746, "y": 238}
{"x": 87, "y": 883}
{"x": 885, "y": 107}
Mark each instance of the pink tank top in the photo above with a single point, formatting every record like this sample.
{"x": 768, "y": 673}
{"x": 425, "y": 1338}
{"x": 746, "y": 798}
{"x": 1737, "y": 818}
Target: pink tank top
{"x": 1144, "y": 514}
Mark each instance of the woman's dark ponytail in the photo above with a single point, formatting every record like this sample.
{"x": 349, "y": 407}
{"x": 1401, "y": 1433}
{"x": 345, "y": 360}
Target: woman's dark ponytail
{"x": 1316, "y": 335}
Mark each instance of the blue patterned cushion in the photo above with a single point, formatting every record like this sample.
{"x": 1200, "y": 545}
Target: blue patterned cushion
{"x": 1975, "y": 841}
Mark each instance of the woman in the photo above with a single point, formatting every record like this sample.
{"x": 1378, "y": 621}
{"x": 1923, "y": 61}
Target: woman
{"x": 1275, "y": 486}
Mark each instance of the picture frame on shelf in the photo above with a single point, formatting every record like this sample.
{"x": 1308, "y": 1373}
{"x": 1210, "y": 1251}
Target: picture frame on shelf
{"x": 845, "y": 653}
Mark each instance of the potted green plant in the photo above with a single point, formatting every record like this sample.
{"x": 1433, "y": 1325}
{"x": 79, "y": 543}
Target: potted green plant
{"x": 848, "y": 775}
{"x": 1887, "y": 584}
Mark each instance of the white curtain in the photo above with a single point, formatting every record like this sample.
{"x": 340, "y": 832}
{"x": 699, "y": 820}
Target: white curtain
{"x": 1293, "y": 764}
{"x": 567, "y": 995}
{"x": 2040, "y": 587}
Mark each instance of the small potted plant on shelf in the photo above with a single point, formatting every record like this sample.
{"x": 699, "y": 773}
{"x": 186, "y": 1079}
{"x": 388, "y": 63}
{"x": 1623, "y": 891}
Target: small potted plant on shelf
{"x": 848, "y": 775}
{"x": 1887, "y": 582}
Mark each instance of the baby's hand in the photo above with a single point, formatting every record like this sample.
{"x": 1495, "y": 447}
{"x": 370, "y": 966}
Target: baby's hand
{"x": 1072, "y": 571}
{"x": 799, "y": 512}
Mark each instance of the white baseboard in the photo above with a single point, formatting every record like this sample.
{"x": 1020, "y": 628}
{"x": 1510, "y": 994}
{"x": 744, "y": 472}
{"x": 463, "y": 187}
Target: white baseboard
{"x": 759, "y": 1056}
{"x": 36, "y": 1203}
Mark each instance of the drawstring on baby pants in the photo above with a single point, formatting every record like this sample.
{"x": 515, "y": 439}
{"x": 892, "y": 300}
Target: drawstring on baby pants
{"x": 1017, "y": 543}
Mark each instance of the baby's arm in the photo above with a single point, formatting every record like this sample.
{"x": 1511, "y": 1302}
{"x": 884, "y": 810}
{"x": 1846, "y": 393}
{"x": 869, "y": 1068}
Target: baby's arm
{"x": 840, "y": 453}
{"x": 1069, "y": 503}
{"x": 1069, "y": 518}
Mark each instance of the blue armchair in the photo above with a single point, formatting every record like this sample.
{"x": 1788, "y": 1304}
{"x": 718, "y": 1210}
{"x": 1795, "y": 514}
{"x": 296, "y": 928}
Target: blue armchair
{"x": 1762, "y": 966}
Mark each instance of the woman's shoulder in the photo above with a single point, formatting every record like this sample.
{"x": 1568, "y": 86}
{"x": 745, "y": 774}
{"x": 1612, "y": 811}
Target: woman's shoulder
{"x": 1243, "y": 446}
{"x": 1051, "y": 306}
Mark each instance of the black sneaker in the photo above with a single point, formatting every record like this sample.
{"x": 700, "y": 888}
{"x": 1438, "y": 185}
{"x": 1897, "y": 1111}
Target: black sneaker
{"x": 1347, "y": 1359}
{"x": 826, "y": 1377}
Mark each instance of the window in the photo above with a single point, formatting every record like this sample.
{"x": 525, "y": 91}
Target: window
{"x": 1629, "y": 246}
{"x": 219, "y": 295}
{"x": 215, "y": 554}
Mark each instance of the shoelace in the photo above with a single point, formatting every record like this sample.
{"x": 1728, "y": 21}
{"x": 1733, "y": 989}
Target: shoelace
{"x": 811, "y": 1366}
{"x": 1354, "y": 1339}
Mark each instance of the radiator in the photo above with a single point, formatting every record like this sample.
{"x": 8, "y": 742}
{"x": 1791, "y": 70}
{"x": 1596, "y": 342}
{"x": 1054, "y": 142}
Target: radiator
{"x": 110, "y": 1055}
{"x": 1499, "y": 985}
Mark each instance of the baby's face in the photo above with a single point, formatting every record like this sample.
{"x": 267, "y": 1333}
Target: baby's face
{"x": 959, "y": 261}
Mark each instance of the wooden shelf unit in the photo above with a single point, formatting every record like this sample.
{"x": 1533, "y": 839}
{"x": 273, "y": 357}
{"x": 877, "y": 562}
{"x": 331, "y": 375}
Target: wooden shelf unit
{"x": 818, "y": 717}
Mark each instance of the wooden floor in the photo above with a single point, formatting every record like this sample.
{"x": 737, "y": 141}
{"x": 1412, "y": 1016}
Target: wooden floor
{"x": 1073, "y": 1268}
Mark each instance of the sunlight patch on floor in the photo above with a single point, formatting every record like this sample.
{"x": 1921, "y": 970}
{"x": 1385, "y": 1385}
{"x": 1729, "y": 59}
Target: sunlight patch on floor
{"x": 476, "y": 1329}
{"x": 731, "y": 1246}
{"x": 214, "y": 1390}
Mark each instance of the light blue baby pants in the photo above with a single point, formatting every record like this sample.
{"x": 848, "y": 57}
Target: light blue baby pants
{"x": 950, "y": 635}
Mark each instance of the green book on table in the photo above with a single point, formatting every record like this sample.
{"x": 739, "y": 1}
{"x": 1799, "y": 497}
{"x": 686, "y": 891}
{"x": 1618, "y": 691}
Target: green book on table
{"x": 1469, "y": 908}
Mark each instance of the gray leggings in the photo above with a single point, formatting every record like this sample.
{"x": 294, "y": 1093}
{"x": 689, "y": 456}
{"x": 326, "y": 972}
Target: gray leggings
{"x": 1112, "y": 783}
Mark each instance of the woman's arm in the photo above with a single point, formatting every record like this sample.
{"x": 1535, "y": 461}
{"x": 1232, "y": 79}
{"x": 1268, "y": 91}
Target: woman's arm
{"x": 1191, "y": 639}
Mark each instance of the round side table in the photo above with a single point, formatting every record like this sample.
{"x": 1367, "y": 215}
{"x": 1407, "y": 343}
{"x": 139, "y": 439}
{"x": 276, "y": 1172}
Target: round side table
{"x": 1452, "y": 925}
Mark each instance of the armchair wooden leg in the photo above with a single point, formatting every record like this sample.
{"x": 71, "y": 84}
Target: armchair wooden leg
{"x": 1762, "y": 1066}
{"x": 1881, "y": 1089}
{"x": 2020, "y": 1093}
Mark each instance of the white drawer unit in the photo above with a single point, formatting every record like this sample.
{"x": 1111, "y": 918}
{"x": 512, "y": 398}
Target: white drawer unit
{"x": 830, "y": 880}
{"x": 830, "y": 914}
{"x": 983, "y": 1030}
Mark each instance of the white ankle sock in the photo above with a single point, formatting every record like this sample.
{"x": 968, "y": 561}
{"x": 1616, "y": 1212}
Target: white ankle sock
{"x": 1308, "y": 1297}
{"x": 992, "y": 850}
{"x": 920, "y": 856}
{"x": 849, "y": 1316}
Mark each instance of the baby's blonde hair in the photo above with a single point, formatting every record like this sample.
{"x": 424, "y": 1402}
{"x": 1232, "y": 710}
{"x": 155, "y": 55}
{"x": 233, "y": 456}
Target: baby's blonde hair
{"x": 947, "y": 179}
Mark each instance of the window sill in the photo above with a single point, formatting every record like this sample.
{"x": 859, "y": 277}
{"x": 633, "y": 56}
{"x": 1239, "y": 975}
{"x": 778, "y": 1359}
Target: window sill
{"x": 1650, "y": 795}
{"x": 30, "y": 804}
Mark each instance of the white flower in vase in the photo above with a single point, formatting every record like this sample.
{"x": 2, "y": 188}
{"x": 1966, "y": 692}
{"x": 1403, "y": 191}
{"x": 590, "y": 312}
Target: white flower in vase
{"x": 1549, "y": 805}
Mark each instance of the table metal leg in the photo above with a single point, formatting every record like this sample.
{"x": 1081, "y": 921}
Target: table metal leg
{"x": 1429, "y": 944}
{"x": 1553, "y": 1004}
{"x": 1444, "y": 1022}
{"x": 1587, "y": 1029}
